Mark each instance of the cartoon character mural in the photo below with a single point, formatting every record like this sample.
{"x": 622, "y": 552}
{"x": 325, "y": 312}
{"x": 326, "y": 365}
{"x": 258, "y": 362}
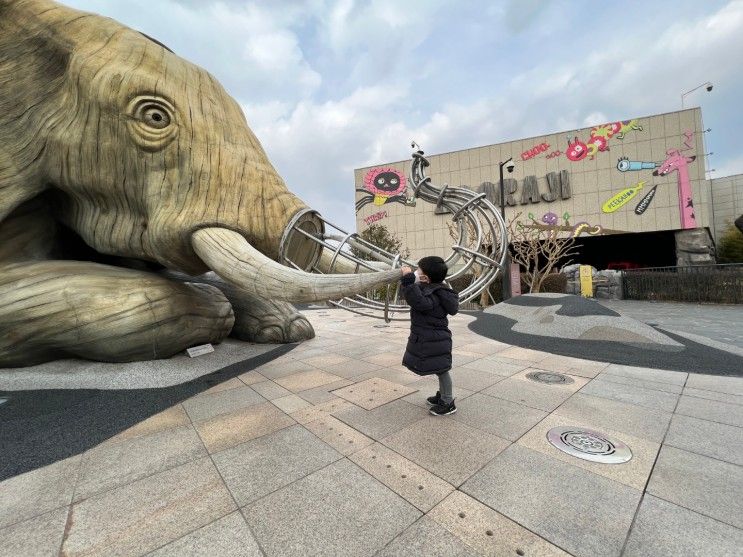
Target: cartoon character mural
{"x": 550, "y": 223}
{"x": 678, "y": 162}
{"x": 626, "y": 165}
{"x": 599, "y": 140}
{"x": 382, "y": 185}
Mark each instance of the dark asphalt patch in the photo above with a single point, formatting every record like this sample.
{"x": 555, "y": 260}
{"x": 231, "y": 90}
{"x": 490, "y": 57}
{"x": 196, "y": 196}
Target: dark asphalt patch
{"x": 572, "y": 306}
{"x": 40, "y": 427}
{"x": 693, "y": 358}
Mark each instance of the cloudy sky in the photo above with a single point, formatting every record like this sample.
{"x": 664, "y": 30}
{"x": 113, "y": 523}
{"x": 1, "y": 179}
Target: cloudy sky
{"x": 333, "y": 85}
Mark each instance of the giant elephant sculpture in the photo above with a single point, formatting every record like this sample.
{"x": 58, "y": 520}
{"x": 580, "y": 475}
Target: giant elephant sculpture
{"x": 126, "y": 174}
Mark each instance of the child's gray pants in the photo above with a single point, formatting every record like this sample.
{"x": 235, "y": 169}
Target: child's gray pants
{"x": 445, "y": 387}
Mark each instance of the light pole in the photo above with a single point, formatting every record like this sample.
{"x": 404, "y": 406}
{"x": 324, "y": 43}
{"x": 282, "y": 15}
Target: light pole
{"x": 506, "y": 282}
{"x": 707, "y": 84}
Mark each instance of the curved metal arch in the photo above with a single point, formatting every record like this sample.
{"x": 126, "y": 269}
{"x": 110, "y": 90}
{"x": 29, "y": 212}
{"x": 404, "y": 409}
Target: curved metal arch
{"x": 475, "y": 218}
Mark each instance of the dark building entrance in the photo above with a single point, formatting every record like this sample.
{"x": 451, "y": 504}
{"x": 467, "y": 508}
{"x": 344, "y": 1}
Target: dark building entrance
{"x": 638, "y": 249}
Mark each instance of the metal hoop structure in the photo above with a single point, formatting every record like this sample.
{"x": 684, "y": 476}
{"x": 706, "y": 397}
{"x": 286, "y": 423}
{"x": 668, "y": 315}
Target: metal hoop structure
{"x": 312, "y": 243}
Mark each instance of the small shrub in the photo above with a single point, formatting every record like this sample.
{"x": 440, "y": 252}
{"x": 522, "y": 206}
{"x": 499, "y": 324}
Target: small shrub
{"x": 730, "y": 247}
{"x": 555, "y": 282}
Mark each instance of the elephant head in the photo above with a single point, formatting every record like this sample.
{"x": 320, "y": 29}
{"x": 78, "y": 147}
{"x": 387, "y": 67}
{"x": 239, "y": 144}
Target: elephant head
{"x": 145, "y": 155}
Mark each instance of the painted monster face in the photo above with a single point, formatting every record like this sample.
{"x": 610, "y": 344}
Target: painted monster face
{"x": 577, "y": 150}
{"x": 384, "y": 182}
{"x": 387, "y": 181}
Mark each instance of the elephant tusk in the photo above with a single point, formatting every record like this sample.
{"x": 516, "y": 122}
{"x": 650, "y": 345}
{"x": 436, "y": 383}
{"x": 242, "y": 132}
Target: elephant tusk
{"x": 343, "y": 265}
{"x": 231, "y": 256}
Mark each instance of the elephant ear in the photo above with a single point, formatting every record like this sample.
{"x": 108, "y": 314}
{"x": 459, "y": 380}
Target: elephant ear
{"x": 33, "y": 66}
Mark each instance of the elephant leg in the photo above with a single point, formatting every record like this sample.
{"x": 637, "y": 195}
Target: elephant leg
{"x": 256, "y": 319}
{"x": 55, "y": 309}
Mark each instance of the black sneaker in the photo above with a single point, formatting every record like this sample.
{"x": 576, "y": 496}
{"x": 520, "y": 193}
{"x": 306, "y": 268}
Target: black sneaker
{"x": 443, "y": 409}
{"x": 434, "y": 400}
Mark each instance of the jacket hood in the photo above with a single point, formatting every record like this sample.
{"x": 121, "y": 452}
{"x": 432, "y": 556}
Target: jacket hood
{"x": 448, "y": 298}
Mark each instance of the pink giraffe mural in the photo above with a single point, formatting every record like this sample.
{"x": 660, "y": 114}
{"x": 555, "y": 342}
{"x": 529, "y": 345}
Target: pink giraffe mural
{"x": 676, "y": 160}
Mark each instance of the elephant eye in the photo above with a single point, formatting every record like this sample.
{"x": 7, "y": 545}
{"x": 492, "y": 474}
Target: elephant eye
{"x": 152, "y": 121}
{"x": 156, "y": 117}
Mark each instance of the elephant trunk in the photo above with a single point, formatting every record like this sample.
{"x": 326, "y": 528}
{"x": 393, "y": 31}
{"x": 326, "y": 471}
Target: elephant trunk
{"x": 231, "y": 256}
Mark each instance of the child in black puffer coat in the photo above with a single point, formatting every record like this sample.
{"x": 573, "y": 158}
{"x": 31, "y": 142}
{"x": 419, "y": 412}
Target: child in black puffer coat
{"x": 429, "y": 345}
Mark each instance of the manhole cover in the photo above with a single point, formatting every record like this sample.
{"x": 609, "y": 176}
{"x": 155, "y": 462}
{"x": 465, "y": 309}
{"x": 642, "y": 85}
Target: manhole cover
{"x": 589, "y": 445}
{"x": 547, "y": 377}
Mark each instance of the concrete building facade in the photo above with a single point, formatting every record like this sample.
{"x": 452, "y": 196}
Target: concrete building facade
{"x": 626, "y": 190}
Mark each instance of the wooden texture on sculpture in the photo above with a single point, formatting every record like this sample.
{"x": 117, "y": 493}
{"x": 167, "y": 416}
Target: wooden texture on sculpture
{"x": 119, "y": 163}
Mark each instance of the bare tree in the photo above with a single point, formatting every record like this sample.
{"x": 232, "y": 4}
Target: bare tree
{"x": 539, "y": 248}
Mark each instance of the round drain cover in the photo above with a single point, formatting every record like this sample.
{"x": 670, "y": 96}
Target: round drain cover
{"x": 589, "y": 445}
{"x": 547, "y": 377}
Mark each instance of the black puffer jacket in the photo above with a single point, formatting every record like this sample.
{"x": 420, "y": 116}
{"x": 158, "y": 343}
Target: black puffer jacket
{"x": 429, "y": 345}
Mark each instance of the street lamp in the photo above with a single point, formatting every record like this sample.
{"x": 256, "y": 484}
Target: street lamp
{"x": 506, "y": 282}
{"x": 707, "y": 84}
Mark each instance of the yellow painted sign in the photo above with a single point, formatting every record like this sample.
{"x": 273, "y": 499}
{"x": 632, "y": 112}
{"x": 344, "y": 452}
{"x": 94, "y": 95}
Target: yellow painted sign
{"x": 622, "y": 198}
{"x": 586, "y": 281}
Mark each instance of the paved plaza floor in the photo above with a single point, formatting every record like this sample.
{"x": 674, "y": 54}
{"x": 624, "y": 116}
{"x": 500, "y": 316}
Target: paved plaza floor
{"x": 328, "y": 449}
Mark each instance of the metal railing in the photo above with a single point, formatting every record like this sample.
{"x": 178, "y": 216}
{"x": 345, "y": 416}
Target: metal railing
{"x": 721, "y": 284}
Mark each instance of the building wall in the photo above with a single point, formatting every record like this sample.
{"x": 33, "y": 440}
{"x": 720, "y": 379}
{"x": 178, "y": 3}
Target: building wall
{"x": 594, "y": 180}
{"x": 727, "y": 195}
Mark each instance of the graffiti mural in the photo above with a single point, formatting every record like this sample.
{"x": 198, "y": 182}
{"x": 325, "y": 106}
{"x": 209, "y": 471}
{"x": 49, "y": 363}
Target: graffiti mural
{"x": 677, "y": 161}
{"x": 382, "y": 185}
{"x": 599, "y": 139}
{"x": 371, "y": 219}
{"x": 620, "y": 199}
{"x": 534, "y": 151}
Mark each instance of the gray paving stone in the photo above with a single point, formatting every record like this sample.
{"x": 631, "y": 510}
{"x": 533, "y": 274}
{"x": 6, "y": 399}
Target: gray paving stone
{"x": 714, "y": 395}
{"x": 643, "y": 383}
{"x": 398, "y": 375}
{"x": 474, "y": 379}
{"x": 662, "y": 528}
{"x": 635, "y": 420}
{"x": 290, "y": 403}
{"x": 551, "y": 498}
{"x": 647, "y": 374}
{"x": 114, "y": 464}
{"x": 36, "y": 537}
{"x": 339, "y": 510}
{"x": 226, "y": 537}
{"x": 413, "y": 483}
{"x": 699, "y": 483}
{"x": 712, "y": 410}
{"x": 528, "y": 393}
{"x": 145, "y": 515}
{"x": 631, "y": 394}
{"x": 504, "y": 367}
{"x": 383, "y": 420}
{"x": 270, "y": 390}
{"x": 373, "y": 392}
{"x": 261, "y": 466}
{"x": 352, "y": 369}
{"x": 306, "y": 380}
{"x": 728, "y": 385}
{"x": 500, "y": 417}
{"x": 38, "y": 491}
{"x": 324, "y": 393}
{"x": 720, "y": 441}
{"x": 281, "y": 368}
{"x": 204, "y": 407}
{"x": 426, "y": 538}
{"x": 341, "y": 437}
{"x": 489, "y": 532}
{"x": 450, "y": 449}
